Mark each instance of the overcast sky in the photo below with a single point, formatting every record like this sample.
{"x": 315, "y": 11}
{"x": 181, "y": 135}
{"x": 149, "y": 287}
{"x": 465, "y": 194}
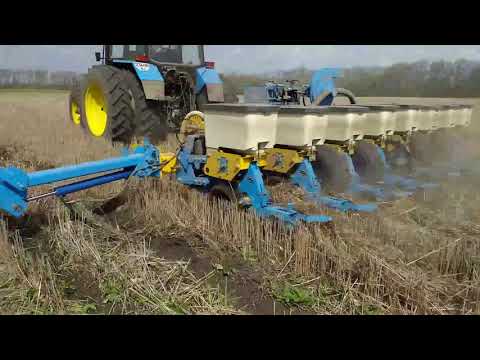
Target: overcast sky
{"x": 246, "y": 58}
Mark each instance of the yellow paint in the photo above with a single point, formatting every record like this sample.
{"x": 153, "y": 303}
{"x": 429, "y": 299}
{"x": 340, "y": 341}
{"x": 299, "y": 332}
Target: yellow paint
{"x": 96, "y": 110}
{"x": 168, "y": 163}
{"x": 234, "y": 164}
{"x": 390, "y": 148}
{"x": 75, "y": 111}
{"x": 282, "y": 160}
{"x": 193, "y": 123}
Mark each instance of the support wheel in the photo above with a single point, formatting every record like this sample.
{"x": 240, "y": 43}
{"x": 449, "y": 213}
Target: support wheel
{"x": 398, "y": 156}
{"x": 368, "y": 161}
{"x": 333, "y": 168}
{"x": 106, "y": 106}
{"x": 420, "y": 147}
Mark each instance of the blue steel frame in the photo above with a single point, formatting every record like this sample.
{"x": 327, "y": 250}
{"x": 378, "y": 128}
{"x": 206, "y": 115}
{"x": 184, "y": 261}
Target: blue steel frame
{"x": 249, "y": 182}
{"x": 304, "y": 177}
{"x": 14, "y": 183}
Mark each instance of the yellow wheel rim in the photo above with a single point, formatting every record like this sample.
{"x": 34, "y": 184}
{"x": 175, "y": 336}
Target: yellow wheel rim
{"x": 75, "y": 113}
{"x": 95, "y": 110}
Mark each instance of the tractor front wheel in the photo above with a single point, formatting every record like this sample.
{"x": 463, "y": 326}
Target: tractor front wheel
{"x": 74, "y": 104}
{"x": 107, "y": 109}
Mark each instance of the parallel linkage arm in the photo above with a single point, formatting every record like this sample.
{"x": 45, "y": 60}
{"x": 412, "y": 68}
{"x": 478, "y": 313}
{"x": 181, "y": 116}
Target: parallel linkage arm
{"x": 143, "y": 161}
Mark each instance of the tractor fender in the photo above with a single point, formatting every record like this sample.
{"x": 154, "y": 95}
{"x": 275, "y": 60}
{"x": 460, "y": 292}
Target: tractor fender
{"x": 148, "y": 74}
{"x": 210, "y": 80}
{"x": 322, "y": 88}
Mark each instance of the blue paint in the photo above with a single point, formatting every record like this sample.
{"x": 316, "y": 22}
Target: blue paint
{"x": 323, "y": 80}
{"x": 253, "y": 186}
{"x": 87, "y": 184}
{"x": 304, "y": 177}
{"x": 151, "y": 74}
{"x": 205, "y": 77}
{"x": 408, "y": 184}
{"x": 190, "y": 163}
{"x": 13, "y": 191}
{"x": 14, "y": 183}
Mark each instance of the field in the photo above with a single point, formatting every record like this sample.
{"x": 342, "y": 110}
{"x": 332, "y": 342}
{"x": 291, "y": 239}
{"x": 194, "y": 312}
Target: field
{"x": 156, "y": 247}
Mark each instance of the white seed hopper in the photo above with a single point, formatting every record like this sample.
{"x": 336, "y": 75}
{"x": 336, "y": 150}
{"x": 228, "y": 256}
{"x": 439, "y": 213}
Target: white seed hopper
{"x": 244, "y": 127}
{"x": 445, "y": 117}
{"x": 463, "y": 115}
{"x": 302, "y": 125}
{"x": 345, "y": 122}
{"x": 425, "y": 117}
{"x": 381, "y": 120}
{"x": 406, "y": 118}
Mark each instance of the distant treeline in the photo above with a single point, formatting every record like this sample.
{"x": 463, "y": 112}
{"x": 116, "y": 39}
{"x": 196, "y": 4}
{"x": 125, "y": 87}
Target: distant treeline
{"x": 460, "y": 78}
{"x": 36, "y": 79}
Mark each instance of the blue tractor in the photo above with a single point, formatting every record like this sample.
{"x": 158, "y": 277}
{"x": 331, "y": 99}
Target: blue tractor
{"x": 143, "y": 90}
{"x": 320, "y": 91}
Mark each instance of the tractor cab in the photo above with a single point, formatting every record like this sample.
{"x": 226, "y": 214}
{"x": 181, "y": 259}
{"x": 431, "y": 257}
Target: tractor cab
{"x": 178, "y": 55}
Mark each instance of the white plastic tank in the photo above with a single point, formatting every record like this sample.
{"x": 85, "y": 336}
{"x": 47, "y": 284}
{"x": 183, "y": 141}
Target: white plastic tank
{"x": 463, "y": 115}
{"x": 244, "y": 127}
{"x": 301, "y": 125}
{"x": 407, "y": 118}
{"x": 345, "y": 122}
{"x": 381, "y": 120}
{"x": 445, "y": 117}
{"x": 426, "y": 117}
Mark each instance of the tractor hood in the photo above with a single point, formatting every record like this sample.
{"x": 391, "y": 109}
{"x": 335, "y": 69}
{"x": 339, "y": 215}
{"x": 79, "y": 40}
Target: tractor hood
{"x": 209, "y": 79}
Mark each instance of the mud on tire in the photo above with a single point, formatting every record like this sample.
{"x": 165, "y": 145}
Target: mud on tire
{"x": 119, "y": 113}
{"x": 148, "y": 121}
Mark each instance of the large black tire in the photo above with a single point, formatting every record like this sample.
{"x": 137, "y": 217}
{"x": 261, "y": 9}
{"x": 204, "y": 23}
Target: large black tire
{"x": 348, "y": 94}
{"x": 223, "y": 190}
{"x": 148, "y": 120}
{"x": 117, "y": 100}
{"x": 368, "y": 162}
{"x": 332, "y": 168}
{"x": 398, "y": 156}
{"x": 420, "y": 147}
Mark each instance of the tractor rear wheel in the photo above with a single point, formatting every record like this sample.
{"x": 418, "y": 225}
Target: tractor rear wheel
{"x": 148, "y": 120}
{"x": 368, "y": 162}
{"x": 333, "y": 168}
{"x": 107, "y": 109}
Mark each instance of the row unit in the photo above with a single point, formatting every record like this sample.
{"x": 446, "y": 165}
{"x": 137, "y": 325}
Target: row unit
{"x": 247, "y": 127}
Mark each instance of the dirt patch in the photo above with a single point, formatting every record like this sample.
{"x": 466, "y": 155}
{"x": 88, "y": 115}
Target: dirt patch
{"x": 28, "y": 226}
{"x": 247, "y": 286}
{"x": 178, "y": 249}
